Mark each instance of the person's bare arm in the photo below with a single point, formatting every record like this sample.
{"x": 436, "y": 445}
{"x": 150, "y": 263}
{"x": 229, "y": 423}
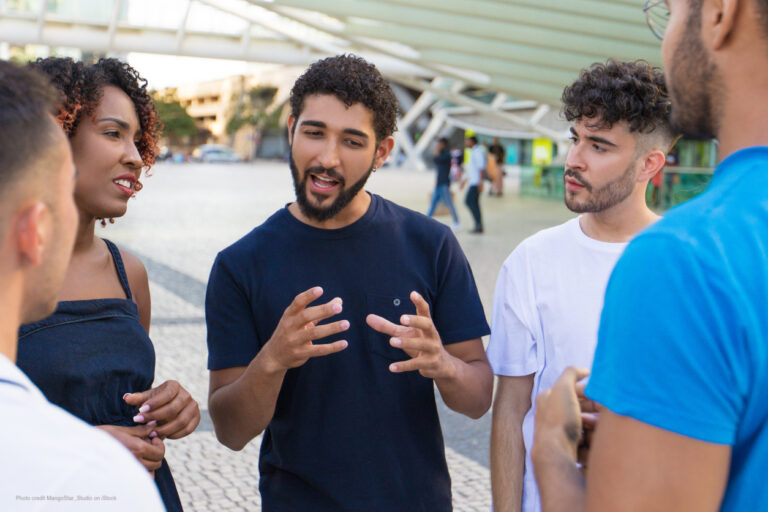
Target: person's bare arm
{"x": 637, "y": 467}
{"x": 139, "y": 283}
{"x": 512, "y": 403}
{"x": 460, "y": 370}
{"x": 633, "y": 466}
{"x": 242, "y": 400}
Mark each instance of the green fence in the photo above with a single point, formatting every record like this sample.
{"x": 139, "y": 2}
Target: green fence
{"x": 678, "y": 184}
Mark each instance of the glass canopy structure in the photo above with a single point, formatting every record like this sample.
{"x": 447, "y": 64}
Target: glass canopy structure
{"x": 523, "y": 52}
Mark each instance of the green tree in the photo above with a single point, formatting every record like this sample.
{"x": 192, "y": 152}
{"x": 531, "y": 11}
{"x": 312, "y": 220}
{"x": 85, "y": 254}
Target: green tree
{"x": 251, "y": 109}
{"x": 177, "y": 123}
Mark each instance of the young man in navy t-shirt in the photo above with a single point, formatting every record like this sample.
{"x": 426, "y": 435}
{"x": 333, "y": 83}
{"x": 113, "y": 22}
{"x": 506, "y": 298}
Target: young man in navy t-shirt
{"x": 343, "y": 388}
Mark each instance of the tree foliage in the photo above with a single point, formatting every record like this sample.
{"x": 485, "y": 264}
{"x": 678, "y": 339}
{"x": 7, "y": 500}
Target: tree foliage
{"x": 251, "y": 109}
{"x": 176, "y": 121}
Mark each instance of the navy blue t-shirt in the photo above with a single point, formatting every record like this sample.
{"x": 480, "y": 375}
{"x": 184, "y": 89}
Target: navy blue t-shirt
{"x": 347, "y": 433}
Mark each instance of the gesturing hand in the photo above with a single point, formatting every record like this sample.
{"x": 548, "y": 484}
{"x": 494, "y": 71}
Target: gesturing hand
{"x": 419, "y": 339}
{"x": 558, "y": 421}
{"x": 291, "y": 344}
{"x": 149, "y": 451}
{"x": 169, "y": 407}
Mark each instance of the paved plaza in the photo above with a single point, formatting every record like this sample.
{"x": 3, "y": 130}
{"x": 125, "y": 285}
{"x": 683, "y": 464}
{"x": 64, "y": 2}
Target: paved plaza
{"x": 187, "y": 213}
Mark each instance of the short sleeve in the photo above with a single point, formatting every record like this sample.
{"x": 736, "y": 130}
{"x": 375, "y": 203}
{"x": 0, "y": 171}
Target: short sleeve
{"x": 232, "y": 336}
{"x": 456, "y": 310}
{"x": 512, "y": 348}
{"x": 669, "y": 352}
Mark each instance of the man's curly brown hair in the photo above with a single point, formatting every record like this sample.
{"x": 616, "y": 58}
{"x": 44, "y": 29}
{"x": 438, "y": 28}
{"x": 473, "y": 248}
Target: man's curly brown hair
{"x": 352, "y": 80}
{"x": 81, "y": 88}
{"x": 616, "y": 91}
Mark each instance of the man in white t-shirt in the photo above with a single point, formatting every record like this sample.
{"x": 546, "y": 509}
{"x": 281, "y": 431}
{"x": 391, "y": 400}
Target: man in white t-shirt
{"x": 550, "y": 290}
{"x": 49, "y": 460}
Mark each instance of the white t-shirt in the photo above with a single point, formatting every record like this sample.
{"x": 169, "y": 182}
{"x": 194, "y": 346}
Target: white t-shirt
{"x": 546, "y": 313}
{"x": 50, "y": 460}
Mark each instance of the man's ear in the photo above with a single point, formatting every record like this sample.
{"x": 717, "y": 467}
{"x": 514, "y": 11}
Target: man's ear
{"x": 291, "y": 121}
{"x": 31, "y": 227}
{"x": 383, "y": 150}
{"x": 652, "y": 163}
{"x": 719, "y": 19}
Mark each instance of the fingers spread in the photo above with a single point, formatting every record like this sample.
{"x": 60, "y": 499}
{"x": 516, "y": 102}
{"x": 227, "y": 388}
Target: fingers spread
{"x": 315, "y": 314}
{"x": 303, "y": 300}
{"x": 423, "y": 323}
{"x": 422, "y": 308}
{"x": 324, "y": 349}
{"x": 383, "y": 325}
{"x": 412, "y": 344}
{"x": 322, "y": 331}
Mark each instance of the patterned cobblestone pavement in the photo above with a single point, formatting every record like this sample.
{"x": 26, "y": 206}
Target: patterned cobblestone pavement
{"x": 187, "y": 213}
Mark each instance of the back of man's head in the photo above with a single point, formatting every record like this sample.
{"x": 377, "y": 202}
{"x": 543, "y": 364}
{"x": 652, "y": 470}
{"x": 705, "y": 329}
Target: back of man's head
{"x": 38, "y": 218}
{"x": 29, "y": 136}
{"x": 352, "y": 80}
{"x": 616, "y": 91}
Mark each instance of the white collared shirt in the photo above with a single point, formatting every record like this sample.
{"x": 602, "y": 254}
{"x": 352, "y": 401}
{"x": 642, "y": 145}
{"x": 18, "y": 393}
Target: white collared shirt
{"x": 50, "y": 460}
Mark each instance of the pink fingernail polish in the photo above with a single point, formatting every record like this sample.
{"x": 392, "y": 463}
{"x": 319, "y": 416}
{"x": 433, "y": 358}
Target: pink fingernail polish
{"x": 144, "y": 408}
{"x": 393, "y": 367}
{"x": 153, "y": 434}
{"x": 138, "y": 418}
{"x": 125, "y": 395}
{"x": 406, "y": 320}
{"x": 152, "y": 423}
{"x": 344, "y": 324}
{"x": 397, "y": 342}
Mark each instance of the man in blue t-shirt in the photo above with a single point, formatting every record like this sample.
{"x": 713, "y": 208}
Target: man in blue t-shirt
{"x": 681, "y": 365}
{"x": 344, "y": 388}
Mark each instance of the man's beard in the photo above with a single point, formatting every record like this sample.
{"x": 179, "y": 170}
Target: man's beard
{"x": 344, "y": 197}
{"x": 605, "y": 197}
{"x": 693, "y": 85}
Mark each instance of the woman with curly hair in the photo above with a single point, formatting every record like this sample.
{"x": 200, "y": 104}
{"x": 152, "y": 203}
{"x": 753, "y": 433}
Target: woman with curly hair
{"x": 93, "y": 356}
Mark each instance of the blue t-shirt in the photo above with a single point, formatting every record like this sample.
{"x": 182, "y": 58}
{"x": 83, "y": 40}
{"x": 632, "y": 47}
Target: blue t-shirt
{"x": 683, "y": 341}
{"x": 347, "y": 433}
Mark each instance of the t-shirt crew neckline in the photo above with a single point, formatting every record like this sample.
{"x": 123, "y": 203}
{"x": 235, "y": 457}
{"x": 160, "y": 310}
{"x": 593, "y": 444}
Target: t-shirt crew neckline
{"x": 593, "y": 243}
{"x": 345, "y": 232}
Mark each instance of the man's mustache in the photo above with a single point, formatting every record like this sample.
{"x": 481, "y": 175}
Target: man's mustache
{"x": 575, "y": 175}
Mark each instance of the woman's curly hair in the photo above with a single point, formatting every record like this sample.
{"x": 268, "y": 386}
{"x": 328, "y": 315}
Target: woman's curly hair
{"x": 634, "y": 92}
{"x": 81, "y": 87}
{"x": 352, "y": 80}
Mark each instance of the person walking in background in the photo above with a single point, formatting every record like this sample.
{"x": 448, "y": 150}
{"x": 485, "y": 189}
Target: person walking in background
{"x": 500, "y": 155}
{"x": 44, "y": 450}
{"x": 442, "y": 191}
{"x": 550, "y": 290}
{"x": 93, "y": 356}
{"x": 681, "y": 365}
{"x": 474, "y": 178}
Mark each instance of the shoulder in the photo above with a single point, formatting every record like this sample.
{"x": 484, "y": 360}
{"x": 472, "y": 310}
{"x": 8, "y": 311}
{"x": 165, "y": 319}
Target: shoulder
{"x": 259, "y": 237}
{"x": 75, "y": 455}
{"x": 547, "y": 243}
{"x": 404, "y": 218}
{"x": 134, "y": 269}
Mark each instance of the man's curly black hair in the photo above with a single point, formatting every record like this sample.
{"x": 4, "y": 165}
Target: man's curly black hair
{"x": 352, "y": 80}
{"x": 616, "y": 91}
{"x": 81, "y": 88}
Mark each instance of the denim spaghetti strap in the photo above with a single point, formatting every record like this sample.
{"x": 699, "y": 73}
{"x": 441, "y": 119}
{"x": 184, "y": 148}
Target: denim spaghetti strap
{"x": 119, "y": 267}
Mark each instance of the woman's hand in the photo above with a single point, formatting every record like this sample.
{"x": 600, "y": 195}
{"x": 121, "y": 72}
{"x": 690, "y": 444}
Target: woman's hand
{"x": 148, "y": 449}
{"x": 169, "y": 408}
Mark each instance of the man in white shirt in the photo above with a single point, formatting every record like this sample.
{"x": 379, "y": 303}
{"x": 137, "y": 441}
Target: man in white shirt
{"x": 50, "y": 459}
{"x": 550, "y": 290}
{"x": 475, "y": 168}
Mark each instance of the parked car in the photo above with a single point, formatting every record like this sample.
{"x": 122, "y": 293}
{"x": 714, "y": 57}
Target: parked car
{"x": 215, "y": 153}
